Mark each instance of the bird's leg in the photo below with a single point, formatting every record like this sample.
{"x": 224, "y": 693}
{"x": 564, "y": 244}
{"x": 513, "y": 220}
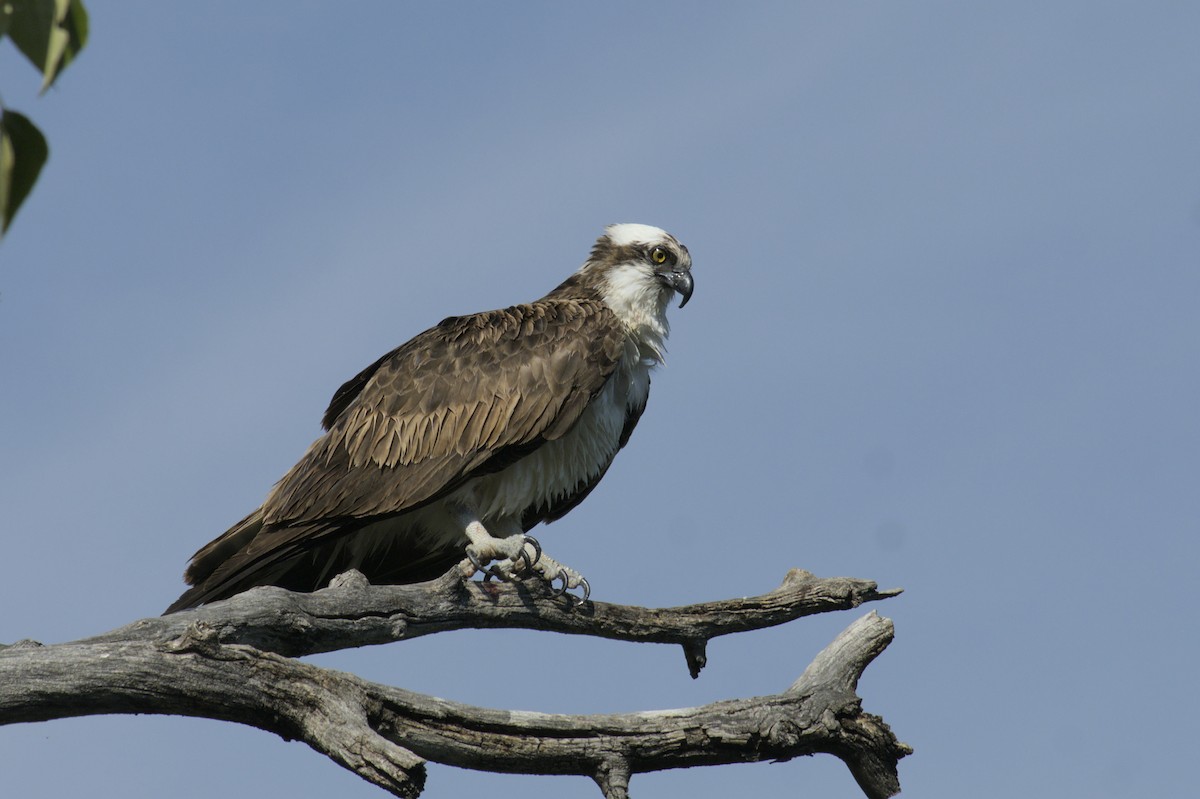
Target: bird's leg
{"x": 504, "y": 553}
{"x": 551, "y": 570}
{"x": 518, "y": 554}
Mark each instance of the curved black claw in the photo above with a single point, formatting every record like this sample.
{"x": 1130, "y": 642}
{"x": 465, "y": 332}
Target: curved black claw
{"x": 565, "y": 587}
{"x": 524, "y": 556}
{"x": 475, "y": 561}
{"x": 494, "y": 571}
{"x": 557, "y": 592}
{"x": 537, "y": 548}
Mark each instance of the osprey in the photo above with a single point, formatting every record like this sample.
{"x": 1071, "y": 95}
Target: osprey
{"x": 461, "y": 440}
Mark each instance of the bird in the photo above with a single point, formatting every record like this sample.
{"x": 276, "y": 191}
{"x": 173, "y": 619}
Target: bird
{"x": 455, "y": 444}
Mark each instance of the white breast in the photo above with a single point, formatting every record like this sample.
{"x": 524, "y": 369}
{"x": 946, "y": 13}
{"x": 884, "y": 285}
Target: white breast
{"x": 557, "y": 468}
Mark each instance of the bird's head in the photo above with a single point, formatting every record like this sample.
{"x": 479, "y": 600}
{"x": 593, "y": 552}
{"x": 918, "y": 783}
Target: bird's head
{"x": 638, "y": 268}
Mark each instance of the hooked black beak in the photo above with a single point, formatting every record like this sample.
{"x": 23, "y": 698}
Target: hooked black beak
{"x": 681, "y": 281}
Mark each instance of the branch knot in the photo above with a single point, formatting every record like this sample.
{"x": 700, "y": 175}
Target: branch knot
{"x": 199, "y": 637}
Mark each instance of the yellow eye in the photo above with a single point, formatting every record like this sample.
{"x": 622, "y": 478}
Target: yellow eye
{"x": 658, "y": 255}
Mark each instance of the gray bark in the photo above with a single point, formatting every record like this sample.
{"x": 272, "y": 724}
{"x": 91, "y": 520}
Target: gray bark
{"x": 234, "y": 661}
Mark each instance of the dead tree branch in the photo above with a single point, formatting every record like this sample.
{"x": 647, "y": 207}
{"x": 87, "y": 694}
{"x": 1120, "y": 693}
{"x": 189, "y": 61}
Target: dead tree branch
{"x": 353, "y": 613}
{"x": 234, "y": 661}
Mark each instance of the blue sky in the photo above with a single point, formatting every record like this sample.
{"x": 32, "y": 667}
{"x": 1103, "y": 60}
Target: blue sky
{"x": 944, "y": 336}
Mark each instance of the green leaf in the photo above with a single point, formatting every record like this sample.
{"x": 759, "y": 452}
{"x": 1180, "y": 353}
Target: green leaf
{"x": 76, "y": 23}
{"x": 49, "y": 32}
{"x": 31, "y": 25}
{"x": 23, "y": 152}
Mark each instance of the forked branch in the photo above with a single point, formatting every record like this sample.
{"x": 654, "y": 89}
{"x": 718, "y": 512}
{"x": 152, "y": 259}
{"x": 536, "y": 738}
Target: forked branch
{"x": 227, "y": 661}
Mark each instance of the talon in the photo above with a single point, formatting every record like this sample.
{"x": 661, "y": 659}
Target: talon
{"x": 525, "y": 557}
{"x": 557, "y": 592}
{"x": 493, "y": 571}
{"x": 537, "y": 548}
{"x": 471, "y": 556}
{"x": 587, "y": 591}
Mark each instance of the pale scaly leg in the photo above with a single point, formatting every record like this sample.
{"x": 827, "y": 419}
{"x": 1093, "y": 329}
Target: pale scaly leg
{"x": 517, "y": 553}
{"x": 502, "y": 553}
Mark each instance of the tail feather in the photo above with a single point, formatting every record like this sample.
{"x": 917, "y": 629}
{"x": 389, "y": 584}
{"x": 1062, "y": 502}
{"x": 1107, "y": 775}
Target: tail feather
{"x": 210, "y": 557}
{"x": 305, "y": 558}
{"x": 242, "y": 558}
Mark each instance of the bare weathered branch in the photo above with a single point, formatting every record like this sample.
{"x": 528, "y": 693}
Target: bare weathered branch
{"x": 820, "y": 713}
{"x": 353, "y": 613}
{"x": 196, "y": 675}
{"x": 203, "y": 663}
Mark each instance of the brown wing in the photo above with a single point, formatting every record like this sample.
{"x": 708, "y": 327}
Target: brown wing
{"x": 463, "y": 398}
